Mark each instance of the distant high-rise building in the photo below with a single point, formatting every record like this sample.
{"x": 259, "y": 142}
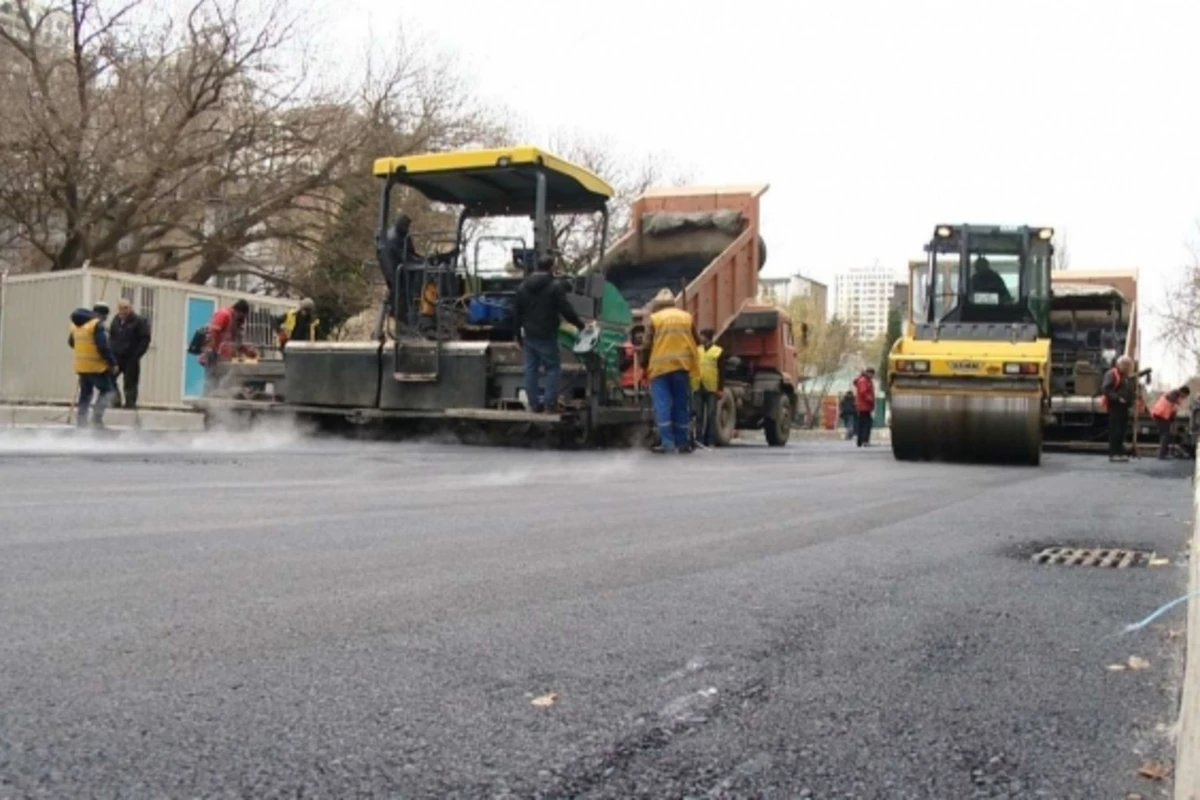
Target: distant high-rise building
{"x": 900, "y": 298}
{"x": 784, "y": 290}
{"x": 864, "y": 295}
{"x": 55, "y": 24}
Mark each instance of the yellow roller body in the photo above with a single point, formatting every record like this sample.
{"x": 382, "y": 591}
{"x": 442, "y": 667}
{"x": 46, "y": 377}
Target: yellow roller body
{"x": 956, "y": 400}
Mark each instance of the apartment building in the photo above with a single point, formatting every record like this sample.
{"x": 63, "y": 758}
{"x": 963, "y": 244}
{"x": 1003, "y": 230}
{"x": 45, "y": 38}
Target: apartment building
{"x": 784, "y": 290}
{"x": 863, "y": 296}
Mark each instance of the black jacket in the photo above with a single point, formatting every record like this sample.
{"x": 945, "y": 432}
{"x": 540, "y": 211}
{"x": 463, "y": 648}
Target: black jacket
{"x": 541, "y": 300}
{"x": 1118, "y": 389}
{"x": 130, "y": 337}
{"x": 846, "y": 406}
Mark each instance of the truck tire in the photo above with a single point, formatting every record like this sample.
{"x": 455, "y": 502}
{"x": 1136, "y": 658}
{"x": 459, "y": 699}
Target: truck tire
{"x": 726, "y": 419}
{"x": 777, "y": 427}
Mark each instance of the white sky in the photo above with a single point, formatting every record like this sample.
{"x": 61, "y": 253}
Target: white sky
{"x": 871, "y": 120}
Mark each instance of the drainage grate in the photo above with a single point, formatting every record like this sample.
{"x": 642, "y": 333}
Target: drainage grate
{"x": 1090, "y": 557}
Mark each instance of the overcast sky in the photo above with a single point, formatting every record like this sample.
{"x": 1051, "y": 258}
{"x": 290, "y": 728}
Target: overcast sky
{"x": 871, "y": 120}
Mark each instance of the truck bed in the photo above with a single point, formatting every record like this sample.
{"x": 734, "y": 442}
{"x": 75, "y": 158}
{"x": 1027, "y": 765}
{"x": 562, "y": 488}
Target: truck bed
{"x": 703, "y": 242}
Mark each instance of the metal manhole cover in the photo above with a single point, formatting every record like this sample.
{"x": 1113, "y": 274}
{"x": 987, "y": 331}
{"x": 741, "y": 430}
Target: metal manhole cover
{"x": 1091, "y": 557}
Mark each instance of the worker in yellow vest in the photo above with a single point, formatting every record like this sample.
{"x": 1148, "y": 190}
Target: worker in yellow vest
{"x": 671, "y": 365}
{"x": 706, "y": 387}
{"x": 299, "y": 324}
{"x": 94, "y": 364}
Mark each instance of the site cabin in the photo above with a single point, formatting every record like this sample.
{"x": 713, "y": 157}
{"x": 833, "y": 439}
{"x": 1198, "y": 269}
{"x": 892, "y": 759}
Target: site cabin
{"x": 445, "y": 347}
{"x": 704, "y": 245}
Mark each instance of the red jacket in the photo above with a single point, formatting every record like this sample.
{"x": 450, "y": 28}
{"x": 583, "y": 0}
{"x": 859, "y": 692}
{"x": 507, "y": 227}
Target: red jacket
{"x": 864, "y": 394}
{"x": 224, "y": 331}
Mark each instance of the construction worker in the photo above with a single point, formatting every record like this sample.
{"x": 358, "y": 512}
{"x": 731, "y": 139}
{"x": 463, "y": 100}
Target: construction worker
{"x": 1164, "y": 414}
{"x": 987, "y": 281}
{"x": 299, "y": 324}
{"x": 224, "y": 340}
{"x": 706, "y": 387}
{"x": 94, "y": 364}
{"x": 540, "y": 305}
{"x": 864, "y": 405}
{"x": 1118, "y": 393}
{"x": 848, "y": 413}
{"x": 129, "y": 335}
{"x": 672, "y": 364}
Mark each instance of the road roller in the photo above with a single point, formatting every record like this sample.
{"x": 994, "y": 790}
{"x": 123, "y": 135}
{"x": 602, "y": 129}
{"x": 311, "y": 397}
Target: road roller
{"x": 969, "y": 379}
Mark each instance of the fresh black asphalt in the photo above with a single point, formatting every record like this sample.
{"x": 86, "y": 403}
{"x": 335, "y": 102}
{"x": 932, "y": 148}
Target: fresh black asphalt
{"x": 263, "y": 616}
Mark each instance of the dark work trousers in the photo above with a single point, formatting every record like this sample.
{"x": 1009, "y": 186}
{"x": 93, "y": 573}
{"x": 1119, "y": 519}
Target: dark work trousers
{"x": 131, "y": 374}
{"x": 1164, "y": 437}
{"x": 704, "y": 403}
{"x": 1118, "y": 423}
{"x": 862, "y": 427}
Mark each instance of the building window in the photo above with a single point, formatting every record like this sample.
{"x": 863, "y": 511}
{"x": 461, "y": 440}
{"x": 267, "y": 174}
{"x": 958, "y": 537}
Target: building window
{"x": 146, "y": 308}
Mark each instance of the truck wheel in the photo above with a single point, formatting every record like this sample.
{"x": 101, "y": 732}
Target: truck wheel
{"x": 726, "y": 419}
{"x": 778, "y": 426}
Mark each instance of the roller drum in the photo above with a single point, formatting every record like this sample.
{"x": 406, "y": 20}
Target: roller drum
{"x": 990, "y": 427}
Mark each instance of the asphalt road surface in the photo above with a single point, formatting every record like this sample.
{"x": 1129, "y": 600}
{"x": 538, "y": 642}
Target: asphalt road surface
{"x": 263, "y": 617}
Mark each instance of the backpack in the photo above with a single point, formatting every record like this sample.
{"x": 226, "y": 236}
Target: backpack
{"x": 199, "y": 339}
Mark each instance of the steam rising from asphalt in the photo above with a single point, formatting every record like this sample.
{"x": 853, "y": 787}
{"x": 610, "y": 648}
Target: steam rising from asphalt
{"x": 265, "y": 436}
{"x": 564, "y": 470}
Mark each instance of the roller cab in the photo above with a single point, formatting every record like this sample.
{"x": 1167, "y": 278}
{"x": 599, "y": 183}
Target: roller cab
{"x": 969, "y": 380}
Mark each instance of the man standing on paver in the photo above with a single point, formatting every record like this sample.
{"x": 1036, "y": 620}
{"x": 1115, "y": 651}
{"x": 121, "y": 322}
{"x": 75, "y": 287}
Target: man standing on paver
{"x": 129, "y": 335}
{"x": 1118, "y": 394}
{"x": 94, "y": 364}
{"x": 672, "y": 363}
{"x": 540, "y": 305}
{"x": 224, "y": 341}
{"x": 864, "y": 405}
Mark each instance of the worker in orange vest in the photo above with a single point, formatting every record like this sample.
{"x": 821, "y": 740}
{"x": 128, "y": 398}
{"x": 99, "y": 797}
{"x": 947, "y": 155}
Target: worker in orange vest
{"x": 1118, "y": 394}
{"x": 1164, "y": 414}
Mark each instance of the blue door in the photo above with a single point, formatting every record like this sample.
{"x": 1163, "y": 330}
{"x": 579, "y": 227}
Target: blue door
{"x": 199, "y": 312}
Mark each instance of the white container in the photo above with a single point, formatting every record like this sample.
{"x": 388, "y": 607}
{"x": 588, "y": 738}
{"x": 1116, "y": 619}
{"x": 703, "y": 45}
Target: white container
{"x": 35, "y": 310}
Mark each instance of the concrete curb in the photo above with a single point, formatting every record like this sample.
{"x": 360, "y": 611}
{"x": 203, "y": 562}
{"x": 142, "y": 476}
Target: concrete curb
{"x": 118, "y": 419}
{"x": 1187, "y": 747}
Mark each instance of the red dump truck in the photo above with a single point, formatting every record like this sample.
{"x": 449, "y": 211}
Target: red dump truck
{"x": 704, "y": 245}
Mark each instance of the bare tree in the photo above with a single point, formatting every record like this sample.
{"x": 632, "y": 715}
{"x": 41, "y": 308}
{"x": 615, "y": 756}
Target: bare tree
{"x": 184, "y": 146}
{"x": 1062, "y": 254}
{"x": 578, "y": 238}
{"x": 1180, "y": 314}
{"x": 830, "y": 342}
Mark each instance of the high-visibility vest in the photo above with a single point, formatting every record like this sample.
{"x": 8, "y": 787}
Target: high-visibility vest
{"x": 88, "y": 360}
{"x": 289, "y": 325}
{"x": 1164, "y": 408}
{"x": 709, "y": 378}
{"x": 674, "y": 347}
{"x": 631, "y": 376}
